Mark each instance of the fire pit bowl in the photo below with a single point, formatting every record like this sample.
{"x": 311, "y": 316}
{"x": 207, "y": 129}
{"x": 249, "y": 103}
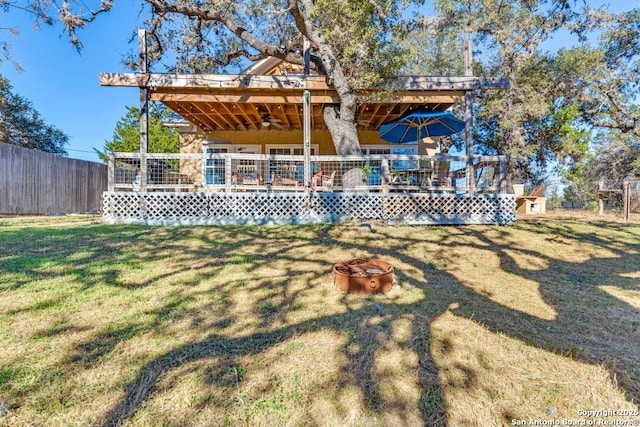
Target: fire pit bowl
{"x": 363, "y": 276}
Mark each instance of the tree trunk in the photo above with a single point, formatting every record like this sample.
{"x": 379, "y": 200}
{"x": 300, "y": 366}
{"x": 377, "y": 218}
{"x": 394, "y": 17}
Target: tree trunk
{"x": 341, "y": 118}
{"x": 343, "y": 132}
{"x": 345, "y": 139}
{"x": 341, "y": 123}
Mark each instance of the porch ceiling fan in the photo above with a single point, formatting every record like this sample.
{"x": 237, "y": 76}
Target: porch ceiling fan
{"x": 268, "y": 120}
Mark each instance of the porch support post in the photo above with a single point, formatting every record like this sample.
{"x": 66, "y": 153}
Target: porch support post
{"x": 306, "y": 107}
{"x": 228, "y": 175}
{"x": 503, "y": 175}
{"x": 144, "y": 110}
{"x": 307, "y": 138}
{"x": 111, "y": 172}
{"x": 468, "y": 113}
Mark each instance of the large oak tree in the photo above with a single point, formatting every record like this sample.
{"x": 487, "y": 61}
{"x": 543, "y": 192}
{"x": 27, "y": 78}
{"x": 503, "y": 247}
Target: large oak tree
{"x": 360, "y": 43}
{"x": 353, "y": 42}
{"x": 558, "y": 99}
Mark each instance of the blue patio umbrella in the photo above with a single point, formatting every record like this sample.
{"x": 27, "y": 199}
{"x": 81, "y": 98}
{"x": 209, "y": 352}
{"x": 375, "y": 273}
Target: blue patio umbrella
{"x": 420, "y": 124}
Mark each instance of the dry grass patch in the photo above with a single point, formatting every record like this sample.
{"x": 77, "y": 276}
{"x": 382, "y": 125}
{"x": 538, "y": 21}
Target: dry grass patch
{"x": 194, "y": 326}
{"x": 493, "y": 379}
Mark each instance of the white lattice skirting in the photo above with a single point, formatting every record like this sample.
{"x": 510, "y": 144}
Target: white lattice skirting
{"x": 182, "y": 208}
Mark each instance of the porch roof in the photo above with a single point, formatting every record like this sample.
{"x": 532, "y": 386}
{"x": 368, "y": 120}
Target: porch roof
{"x": 241, "y": 101}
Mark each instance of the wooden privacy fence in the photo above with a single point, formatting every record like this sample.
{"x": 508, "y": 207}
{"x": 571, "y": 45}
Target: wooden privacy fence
{"x": 35, "y": 182}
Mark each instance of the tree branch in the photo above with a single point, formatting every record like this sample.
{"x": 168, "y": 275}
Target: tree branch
{"x": 381, "y": 12}
{"x": 210, "y": 13}
{"x": 72, "y": 21}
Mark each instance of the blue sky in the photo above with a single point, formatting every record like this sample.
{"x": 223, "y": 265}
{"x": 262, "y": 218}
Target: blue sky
{"x": 63, "y": 85}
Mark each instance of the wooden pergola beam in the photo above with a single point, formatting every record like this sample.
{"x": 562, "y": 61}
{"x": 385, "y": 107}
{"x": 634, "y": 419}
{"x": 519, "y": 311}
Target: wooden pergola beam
{"x": 446, "y": 97}
{"x": 232, "y": 102}
{"x": 212, "y": 82}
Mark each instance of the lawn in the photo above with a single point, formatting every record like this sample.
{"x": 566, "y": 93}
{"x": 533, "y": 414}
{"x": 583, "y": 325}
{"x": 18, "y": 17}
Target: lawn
{"x": 207, "y": 326}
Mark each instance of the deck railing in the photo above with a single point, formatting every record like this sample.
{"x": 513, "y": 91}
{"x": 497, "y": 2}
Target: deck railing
{"x": 233, "y": 172}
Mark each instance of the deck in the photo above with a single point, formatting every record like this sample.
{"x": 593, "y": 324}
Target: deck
{"x": 221, "y": 189}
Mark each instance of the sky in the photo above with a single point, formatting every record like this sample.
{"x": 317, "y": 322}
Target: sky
{"x": 63, "y": 85}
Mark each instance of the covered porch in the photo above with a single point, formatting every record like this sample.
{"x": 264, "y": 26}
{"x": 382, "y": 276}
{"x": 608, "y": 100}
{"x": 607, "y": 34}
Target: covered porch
{"x": 255, "y": 149}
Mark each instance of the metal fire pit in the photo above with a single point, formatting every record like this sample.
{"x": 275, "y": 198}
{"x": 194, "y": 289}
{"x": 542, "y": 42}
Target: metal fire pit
{"x": 363, "y": 276}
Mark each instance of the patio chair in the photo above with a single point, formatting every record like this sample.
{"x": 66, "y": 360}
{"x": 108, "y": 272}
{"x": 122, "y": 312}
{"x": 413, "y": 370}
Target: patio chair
{"x": 441, "y": 176}
{"x": 285, "y": 174}
{"x": 326, "y": 182}
{"x": 247, "y": 175}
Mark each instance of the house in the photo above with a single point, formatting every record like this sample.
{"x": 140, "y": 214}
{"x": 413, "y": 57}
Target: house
{"x": 249, "y": 137}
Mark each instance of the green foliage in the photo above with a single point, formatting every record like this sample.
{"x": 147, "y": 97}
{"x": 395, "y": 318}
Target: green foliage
{"x": 126, "y": 135}
{"x": 362, "y": 33}
{"x": 434, "y": 52}
{"x": 557, "y": 101}
{"x": 533, "y": 123}
{"x": 580, "y": 185}
{"x": 567, "y": 137}
{"x": 605, "y": 102}
{"x": 22, "y": 125}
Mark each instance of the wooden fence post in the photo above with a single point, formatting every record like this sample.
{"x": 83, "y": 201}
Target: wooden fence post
{"x": 626, "y": 200}
{"x": 600, "y": 198}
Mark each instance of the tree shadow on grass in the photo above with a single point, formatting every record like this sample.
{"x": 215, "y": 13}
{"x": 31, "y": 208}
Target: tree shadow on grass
{"x": 592, "y": 343}
{"x": 589, "y": 321}
{"x": 103, "y": 255}
{"x": 357, "y": 372}
{"x": 592, "y": 324}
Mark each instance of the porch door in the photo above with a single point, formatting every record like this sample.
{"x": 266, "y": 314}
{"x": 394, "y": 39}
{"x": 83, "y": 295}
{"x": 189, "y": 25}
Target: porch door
{"x": 284, "y": 168}
{"x": 375, "y": 166}
{"x": 248, "y": 171}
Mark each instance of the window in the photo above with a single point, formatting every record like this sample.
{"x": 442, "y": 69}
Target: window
{"x": 290, "y": 150}
{"x": 214, "y": 168}
{"x": 400, "y": 165}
